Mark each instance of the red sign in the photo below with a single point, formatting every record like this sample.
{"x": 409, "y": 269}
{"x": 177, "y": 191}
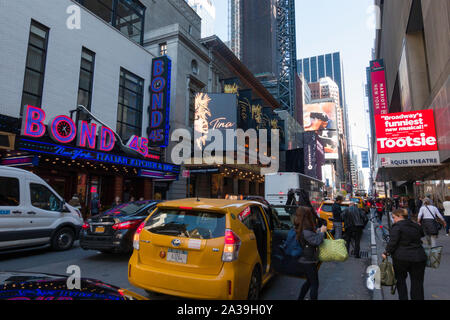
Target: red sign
{"x": 378, "y": 80}
{"x": 406, "y": 132}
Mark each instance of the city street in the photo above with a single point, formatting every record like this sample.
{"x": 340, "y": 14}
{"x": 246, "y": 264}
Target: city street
{"x": 338, "y": 281}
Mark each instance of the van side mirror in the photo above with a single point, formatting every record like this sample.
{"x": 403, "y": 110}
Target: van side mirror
{"x": 65, "y": 209}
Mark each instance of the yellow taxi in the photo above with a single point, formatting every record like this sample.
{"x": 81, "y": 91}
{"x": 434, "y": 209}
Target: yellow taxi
{"x": 206, "y": 249}
{"x": 326, "y": 212}
{"x": 359, "y": 201}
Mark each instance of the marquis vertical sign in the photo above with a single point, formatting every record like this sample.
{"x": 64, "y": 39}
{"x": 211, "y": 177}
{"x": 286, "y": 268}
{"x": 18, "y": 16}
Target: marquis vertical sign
{"x": 379, "y": 93}
{"x": 159, "y": 109}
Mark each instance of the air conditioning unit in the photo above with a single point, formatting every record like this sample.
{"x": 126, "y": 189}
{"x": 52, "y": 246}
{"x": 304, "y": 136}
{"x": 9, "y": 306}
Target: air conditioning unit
{"x": 7, "y": 140}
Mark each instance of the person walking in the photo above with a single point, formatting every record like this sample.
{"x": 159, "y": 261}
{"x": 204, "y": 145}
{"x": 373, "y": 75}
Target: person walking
{"x": 380, "y": 210}
{"x": 446, "y": 205}
{"x": 428, "y": 218}
{"x": 116, "y": 202}
{"x": 411, "y": 207}
{"x": 337, "y": 217}
{"x": 95, "y": 205}
{"x": 354, "y": 222}
{"x": 408, "y": 255}
{"x": 310, "y": 239}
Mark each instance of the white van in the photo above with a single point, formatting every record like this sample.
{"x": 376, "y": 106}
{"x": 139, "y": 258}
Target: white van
{"x": 33, "y": 214}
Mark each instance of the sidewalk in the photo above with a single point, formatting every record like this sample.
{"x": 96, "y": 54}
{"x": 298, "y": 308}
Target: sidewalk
{"x": 437, "y": 281}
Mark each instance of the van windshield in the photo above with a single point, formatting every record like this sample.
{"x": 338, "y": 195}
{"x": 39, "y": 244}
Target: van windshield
{"x": 187, "y": 223}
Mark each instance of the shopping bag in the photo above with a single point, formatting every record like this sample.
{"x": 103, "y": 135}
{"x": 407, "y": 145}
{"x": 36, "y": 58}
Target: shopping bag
{"x": 387, "y": 273}
{"x": 433, "y": 257}
{"x": 333, "y": 250}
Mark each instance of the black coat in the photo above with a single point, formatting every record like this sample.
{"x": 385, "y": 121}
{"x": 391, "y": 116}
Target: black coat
{"x": 337, "y": 212}
{"x": 354, "y": 217}
{"x": 405, "y": 242}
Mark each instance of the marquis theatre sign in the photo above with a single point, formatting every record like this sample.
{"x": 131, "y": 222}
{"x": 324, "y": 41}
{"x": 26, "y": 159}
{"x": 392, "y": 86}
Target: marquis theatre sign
{"x": 406, "y": 132}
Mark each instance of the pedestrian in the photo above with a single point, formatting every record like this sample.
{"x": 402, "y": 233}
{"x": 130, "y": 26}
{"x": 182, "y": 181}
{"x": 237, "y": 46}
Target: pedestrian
{"x": 411, "y": 207}
{"x": 354, "y": 222}
{"x": 430, "y": 218}
{"x": 95, "y": 205}
{"x": 337, "y": 217}
{"x": 408, "y": 255}
{"x": 310, "y": 239}
{"x": 380, "y": 210}
{"x": 116, "y": 202}
{"x": 141, "y": 199}
{"x": 132, "y": 199}
{"x": 75, "y": 202}
{"x": 446, "y": 205}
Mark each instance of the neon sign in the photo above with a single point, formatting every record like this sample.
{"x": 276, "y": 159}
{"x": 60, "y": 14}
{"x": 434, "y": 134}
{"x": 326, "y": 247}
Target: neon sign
{"x": 62, "y": 129}
{"x": 159, "y": 109}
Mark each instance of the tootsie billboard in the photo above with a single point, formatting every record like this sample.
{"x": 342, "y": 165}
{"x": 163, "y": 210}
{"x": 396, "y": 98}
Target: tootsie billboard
{"x": 406, "y": 132}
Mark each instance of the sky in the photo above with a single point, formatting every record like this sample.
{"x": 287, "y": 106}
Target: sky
{"x": 325, "y": 26}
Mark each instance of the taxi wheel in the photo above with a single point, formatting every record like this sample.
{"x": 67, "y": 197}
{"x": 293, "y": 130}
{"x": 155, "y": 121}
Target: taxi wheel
{"x": 254, "y": 289}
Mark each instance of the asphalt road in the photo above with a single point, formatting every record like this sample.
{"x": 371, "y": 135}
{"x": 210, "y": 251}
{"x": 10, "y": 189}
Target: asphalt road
{"x": 338, "y": 281}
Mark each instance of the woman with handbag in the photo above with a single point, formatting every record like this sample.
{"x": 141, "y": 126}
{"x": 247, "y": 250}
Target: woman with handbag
{"x": 310, "y": 239}
{"x": 408, "y": 255}
{"x": 431, "y": 219}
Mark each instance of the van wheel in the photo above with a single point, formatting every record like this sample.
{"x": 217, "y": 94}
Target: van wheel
{"x": 63, "y": 239}
{"x": 254, "y": 289}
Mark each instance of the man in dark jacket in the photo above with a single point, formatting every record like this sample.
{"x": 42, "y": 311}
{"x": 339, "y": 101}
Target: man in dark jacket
{"x": 354, "y": 222}
{"x": 337, "y": 217}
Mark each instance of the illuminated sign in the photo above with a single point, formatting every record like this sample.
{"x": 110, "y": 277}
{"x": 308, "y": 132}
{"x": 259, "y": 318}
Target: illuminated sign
{"x": 159, "y": 110}
{"x": 62, "y": 129}
{"x": 20, "y": 161}
{"x": 378, "y": 81}
{"x": 94, "y": 156}
{"x": 406, "y": 132}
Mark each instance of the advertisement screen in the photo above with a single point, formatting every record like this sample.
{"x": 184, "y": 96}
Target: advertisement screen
{"x": 322, "y": 118}
{"x": 406, "y": 132}
{"x": 214, "y": 111}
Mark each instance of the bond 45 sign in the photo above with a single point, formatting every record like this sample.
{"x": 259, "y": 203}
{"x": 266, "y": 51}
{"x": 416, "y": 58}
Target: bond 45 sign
{"x": 159, "y": 109}
{"x": 406, "y": 132}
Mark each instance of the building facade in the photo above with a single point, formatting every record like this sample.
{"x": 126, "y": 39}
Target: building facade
{"x": 413, "y": 45}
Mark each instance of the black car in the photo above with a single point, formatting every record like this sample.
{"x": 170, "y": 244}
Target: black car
{"x": 42, "y": 286}
{"x": 112, "y": 231}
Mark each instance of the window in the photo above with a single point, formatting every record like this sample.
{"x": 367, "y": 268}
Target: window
{"x": 43, "y": 198}
{"x": 86, "y": 78}
{"x": 35, "y": 65}
{"x": 125, "y": 15}
{"x": 194, "y": 67}
{"x": 9, "y": 192}
{"x": 163, "y": 49}
{"x": 129, "y": 112}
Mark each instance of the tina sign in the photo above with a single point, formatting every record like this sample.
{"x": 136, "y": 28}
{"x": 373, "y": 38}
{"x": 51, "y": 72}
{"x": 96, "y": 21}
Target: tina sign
{"x": 159, "y": 109}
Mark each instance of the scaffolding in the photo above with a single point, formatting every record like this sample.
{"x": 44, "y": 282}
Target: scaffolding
{"x": 287, "y": 54}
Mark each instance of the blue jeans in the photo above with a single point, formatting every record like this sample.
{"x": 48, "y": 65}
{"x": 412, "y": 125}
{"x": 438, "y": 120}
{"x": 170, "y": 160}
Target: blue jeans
{"x": 337, "y": 226}
{"x": 447, "y": 220}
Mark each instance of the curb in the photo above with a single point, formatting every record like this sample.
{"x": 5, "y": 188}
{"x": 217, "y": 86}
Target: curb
{"x": 377, "y": 294}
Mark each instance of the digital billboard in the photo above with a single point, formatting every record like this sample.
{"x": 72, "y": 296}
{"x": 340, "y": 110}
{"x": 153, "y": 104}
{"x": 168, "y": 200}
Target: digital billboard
{"x": 406, "y": 132}
{"x": 322, "y": 118}
{"x": 214, "y": 111}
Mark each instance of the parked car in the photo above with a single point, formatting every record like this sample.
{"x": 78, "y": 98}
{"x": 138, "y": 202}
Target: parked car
{"x": 43, "y": 286}
{"x": 112, "y": 231}
{"x": 206, "y": 249}
{"x": 33, "y": 214}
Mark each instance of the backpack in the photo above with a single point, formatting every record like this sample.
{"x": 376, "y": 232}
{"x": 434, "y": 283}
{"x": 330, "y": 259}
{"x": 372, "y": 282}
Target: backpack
{"x": 292, "y": 247}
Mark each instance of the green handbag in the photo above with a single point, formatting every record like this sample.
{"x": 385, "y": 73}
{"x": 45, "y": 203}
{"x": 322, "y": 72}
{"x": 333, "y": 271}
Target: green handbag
{"x": 433, "y": 257}
{"x": 333, "y": 250}
{"x": 387, "y": 273}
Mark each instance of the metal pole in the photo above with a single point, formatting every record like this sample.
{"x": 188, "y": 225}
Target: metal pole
{"x": 385, "y": 203}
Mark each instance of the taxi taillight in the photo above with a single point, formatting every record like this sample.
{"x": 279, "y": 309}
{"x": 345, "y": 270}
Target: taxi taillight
{"x": 231, "y": 246}
{"x": 137, "y": 235}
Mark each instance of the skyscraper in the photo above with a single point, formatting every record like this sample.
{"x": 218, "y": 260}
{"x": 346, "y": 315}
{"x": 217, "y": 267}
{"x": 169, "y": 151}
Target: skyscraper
{"x": 326, "y": 65}
{"x": 206, "y": 10}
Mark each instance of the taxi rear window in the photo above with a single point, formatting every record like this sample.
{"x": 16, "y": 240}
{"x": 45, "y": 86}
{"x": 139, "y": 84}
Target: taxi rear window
{"x": 328, "y": 207}
{"x": 187, "y": 223}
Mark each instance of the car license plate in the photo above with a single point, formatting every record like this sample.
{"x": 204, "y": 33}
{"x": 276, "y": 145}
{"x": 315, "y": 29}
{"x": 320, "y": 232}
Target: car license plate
{"x": 178, "y": 256}
{"x": 99, "y": 229}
